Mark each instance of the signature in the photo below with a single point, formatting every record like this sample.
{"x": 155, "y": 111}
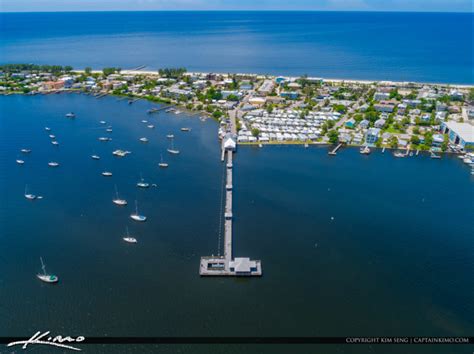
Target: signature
{"x": 46, "y": 339}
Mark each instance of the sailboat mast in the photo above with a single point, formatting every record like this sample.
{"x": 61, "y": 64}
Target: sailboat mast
{"x": 43, "y": 266}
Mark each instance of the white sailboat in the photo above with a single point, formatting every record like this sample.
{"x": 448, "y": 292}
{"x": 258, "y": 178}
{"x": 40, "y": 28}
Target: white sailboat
{"x": 54, "y": 142}
{"x": 53, "y": 164}
{"x": 107, "y": 174}
{"x": 172, "y": 150}
{"x": 47, "y": 278}
{"x": 144, "y": 140}
{"x": 162, "y": 164}
{"x": 136, "y": 216}
{"x": 47, "y": 129}
{"x": 25, "y": 151}
{"x": 170, "y": 136}
{"x": 117, "y": 200}
{"x": 29, "y": 196}
{"x": 20, "y": 162}
{"x": 142, "y": 183}
{"x": 95, "y": 157}
{"x": 129, "y": 238}
{"x": 70, "y": 115}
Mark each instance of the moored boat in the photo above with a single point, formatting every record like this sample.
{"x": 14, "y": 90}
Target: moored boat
{"x": 45, "y": 277}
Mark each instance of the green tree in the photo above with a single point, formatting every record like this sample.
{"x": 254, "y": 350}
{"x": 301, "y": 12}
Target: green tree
{"x": 255, "y": 132}
{"x": 333, "y": 136}
{"x": 415, "y": 140}
{"x": 393, "y": 142}
{"x": 217, "y": 114}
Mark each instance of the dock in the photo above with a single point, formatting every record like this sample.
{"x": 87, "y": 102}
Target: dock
{"x": 226, "y": 265}
{"x": 334, "y": 152}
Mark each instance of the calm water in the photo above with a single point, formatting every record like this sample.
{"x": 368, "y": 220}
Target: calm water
{"x": 430, "y": 47}
{"x": 397, "y": 259}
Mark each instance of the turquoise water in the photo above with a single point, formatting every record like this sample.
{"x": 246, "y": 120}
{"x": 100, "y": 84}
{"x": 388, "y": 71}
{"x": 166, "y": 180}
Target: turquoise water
{"x": 351, "y": 245}
{"x": 428, "y": 47}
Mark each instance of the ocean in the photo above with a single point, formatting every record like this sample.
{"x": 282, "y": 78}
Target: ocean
{"x": 426, "y": 47}
{"x": 350, "y": 245}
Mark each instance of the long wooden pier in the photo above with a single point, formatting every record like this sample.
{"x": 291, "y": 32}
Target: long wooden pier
{"x": 227, "y": 265}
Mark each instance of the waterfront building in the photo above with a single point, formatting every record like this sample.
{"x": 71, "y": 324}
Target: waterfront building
{"x": 372, "y": 135}
{"x": 52, "y": 85}
{"x": 242, "y": 266}
{"x": 229, "y": 142}
{"x": 461, "y": 134}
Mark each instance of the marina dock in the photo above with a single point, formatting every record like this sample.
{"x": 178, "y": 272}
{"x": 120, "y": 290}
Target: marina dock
{"x": 333, "y": 152}
{"x": 227, "y": 265}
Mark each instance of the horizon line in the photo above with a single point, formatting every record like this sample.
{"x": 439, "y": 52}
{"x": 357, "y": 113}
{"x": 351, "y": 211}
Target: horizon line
{"x": 241, "y": 10}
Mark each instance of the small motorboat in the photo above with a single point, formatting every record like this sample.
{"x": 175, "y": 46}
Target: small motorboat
{"x": 47, "y": 129}
{"x": 53, "y": 164}
{"x": 120, "y": 153}
{"x": 107, "y": 174}
{"x": 25, "y": 151}
{"x": 170, "y": 136}
{"x": 144, "y": 140}
{"x": 70, "y": 115}
{"x": 144, "y": 121}
{"x": 52, "y": 136}
{"x": 399, "y": 154}
{"x": 95, "y": 157}
{"x": 47, "y": 278}
{"x": 103, "y": 138}
{"x": 151, "y": 126}
{"x": 103, "y": 122}
{"x": 108, "y": 130}
{"x": 365, "y": 150}
{"x": 54, "y": 142}
{"x": 20, "y": 162}
{"x": 185, "y": 129}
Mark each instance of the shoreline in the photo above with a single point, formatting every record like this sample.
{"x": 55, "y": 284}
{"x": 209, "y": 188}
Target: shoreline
{"x": 329, "y": 80}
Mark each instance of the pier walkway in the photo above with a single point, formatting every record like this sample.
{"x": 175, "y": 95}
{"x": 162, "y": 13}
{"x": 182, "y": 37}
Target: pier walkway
{"x": 227, "y": 265}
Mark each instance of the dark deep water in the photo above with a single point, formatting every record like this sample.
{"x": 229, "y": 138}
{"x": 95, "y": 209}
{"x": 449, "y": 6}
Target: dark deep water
{"x": 397, "y": 259}
{"x": 428, "y": 47}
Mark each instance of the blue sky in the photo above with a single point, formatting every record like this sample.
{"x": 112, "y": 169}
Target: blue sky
{"x": 327, "y": 5}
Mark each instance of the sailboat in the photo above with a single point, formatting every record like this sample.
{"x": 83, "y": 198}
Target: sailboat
{"x": 25, "y": 151}
{"x": 47, "y": 129}
{"x": 365, "y": 150}
{"x": 53, "y": 164}
{"x": 70, "y": 115}
{"x": 172, "y": 150}
{"x": 144, "y": 140}
{"x": 136, "y": 216}
{"x": 129, "y": 238}
{"x": 107, "y": 174}
{"x": 117, "y": 200}
{"x": 95, "y": 157}
{"x": 20, "y": 162}
{"x": 54, "y": 142}
{"x": 142, "y": 183}
{"x": 47, "y": 278}
{"x": 29, "y": 196}
{"x": 170, "y": 136}
{"x": 162, "y": 164}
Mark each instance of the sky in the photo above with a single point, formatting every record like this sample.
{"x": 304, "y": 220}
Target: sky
{"x": 323, "y": 5}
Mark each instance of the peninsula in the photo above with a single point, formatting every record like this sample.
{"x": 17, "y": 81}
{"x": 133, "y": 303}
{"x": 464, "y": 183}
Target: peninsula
{"x": 266, "y": 109}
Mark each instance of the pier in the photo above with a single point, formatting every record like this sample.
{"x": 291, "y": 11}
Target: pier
{"x": 333, "y": 152}
{"x": 226, "y": 265}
